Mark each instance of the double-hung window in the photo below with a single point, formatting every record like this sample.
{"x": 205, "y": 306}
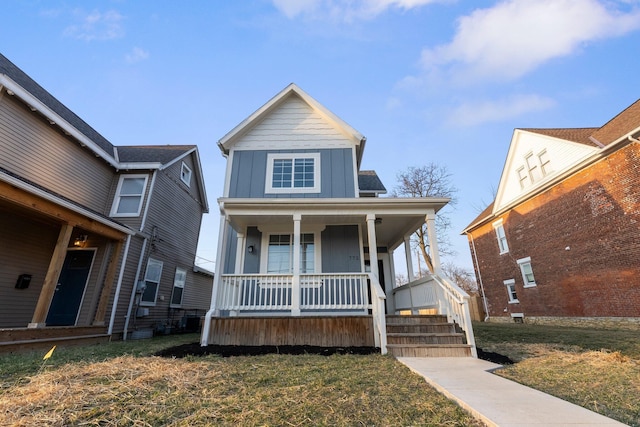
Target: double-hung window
{"x": 501, "y": 236}
{"x": 293, "y": 173}
{"x": 527, "y": 272}
{"x": 178, "y": 287}
{"x": 129, "y": 195}
{"x": 280, "y": 253}
{"x": 511, "y": 291}
{"x": 152, "y": 282}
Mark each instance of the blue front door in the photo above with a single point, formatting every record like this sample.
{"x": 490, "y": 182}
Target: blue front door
{"x": 68, "y": 295}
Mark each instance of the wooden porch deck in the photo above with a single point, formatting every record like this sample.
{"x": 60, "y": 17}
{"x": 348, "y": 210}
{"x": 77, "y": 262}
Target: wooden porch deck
{"x": 15, "y": 340}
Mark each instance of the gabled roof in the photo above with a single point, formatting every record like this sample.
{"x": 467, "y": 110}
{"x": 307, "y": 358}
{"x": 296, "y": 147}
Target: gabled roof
{"x": 597, "y": 142}
{"x": 227, "y": 141}
{"x": 368, "y": 182}
{"x": 15, "y": 76}
{"x": 161, "y": 157}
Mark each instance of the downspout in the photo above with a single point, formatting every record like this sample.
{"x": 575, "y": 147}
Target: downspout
{"x": 125, "y": 253}
{"x": 484, "y": 297}
{"x": 140, "y": 260}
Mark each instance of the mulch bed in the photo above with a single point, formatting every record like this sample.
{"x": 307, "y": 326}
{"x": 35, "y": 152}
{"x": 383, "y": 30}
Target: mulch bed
{"x": 195, "y": 349}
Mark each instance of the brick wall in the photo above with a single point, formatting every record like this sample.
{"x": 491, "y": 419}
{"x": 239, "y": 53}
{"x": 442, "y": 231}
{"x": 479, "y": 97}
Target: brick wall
{"x": 583, "y": 237}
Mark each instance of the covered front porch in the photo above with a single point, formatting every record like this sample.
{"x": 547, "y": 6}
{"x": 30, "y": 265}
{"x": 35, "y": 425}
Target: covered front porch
{"x": 61, "y": 263}
{"x": 321, "y": 271}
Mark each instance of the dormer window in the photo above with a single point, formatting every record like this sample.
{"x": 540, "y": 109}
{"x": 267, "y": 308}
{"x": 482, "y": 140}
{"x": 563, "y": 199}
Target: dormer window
{"x": 293, "y": 173}
{"x": 185, "y": 174}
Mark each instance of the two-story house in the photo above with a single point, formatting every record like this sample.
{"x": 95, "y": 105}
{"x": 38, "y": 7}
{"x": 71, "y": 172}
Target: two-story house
{"x": 560, "y": 241}
{"x": 96, "y": 240}
{"x": 304, "y": 253}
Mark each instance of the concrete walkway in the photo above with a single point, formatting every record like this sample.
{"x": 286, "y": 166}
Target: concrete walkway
{"x": 498, "y": 401}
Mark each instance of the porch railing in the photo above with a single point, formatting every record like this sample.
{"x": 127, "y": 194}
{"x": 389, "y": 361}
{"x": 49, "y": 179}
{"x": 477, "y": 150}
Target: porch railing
{"x": 436, "y": 292}
{"x": 323, "y": 294}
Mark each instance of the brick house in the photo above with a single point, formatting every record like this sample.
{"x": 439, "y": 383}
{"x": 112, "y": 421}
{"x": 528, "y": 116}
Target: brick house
{"x": 562, "y": 238}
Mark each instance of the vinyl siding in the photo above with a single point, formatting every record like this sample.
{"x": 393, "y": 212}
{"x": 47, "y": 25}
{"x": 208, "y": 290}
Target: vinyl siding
{"x": 26, "y": 247}
{"x": 38, "y": 151}
{"x": 249, "y": 168}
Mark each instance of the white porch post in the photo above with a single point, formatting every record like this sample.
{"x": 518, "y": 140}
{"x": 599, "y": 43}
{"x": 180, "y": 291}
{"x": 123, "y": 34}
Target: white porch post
{"x": 433, "y": 241}
{"x": 240, "y": 254}
{"x": 295, "y": 285}
{"x": 217, "y": 277}
{"x": 407, "y": 254}
{"x": 373, "y": 245}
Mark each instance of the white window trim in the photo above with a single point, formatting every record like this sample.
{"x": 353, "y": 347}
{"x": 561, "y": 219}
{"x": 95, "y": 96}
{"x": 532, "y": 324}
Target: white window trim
{"x": 155, "y": 298}
{"x": 178, "y": 284}
{"x": 508, "y": 284}
{"x": 182, "y": 174}
{"x": 497, "y": 225}
{"x": 268, "y": 186}
{"x": 116, "y": 199}
{"x": 264, "y": 247}
{"x": 521, "y": 262}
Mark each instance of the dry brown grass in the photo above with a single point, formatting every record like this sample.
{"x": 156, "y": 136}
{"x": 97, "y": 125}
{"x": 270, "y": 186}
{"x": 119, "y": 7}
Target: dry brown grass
{"x": 604, "y": 382}
{"x": 247, "y": 391}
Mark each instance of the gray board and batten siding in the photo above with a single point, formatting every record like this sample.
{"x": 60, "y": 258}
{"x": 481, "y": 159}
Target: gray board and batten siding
{"x": 340, "y": 247}
{"x": 249, "y": 169}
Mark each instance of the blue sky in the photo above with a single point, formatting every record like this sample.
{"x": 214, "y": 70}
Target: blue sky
{"x": 424, "y": 80}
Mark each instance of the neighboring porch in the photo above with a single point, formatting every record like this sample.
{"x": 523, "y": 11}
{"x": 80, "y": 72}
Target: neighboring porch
{"x": 309, "y": 302}
{"x": 61, "y": 263}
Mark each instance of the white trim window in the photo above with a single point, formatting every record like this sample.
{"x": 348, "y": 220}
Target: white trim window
{"x": 185, "y": 174}
{"x": 279, "y": 250}
{"x": 179, "y": 281}
{"x": 511, "y": 291}
{"x": 527, "y": 272}
{"x": 129, "y": 195}
{"x": 293, "y": 173}
{"x": 501, "y": 236}
{"x": 152, "y": 282}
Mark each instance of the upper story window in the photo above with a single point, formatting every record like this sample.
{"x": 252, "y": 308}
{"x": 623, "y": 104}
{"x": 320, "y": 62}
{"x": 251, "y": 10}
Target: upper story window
{"x": 527, "y": 272}
{"x": 185, "y": 174}
{"x": 129, "y": 195}
{"x": 293, "y": 173}
{"x": 534, "y": 169}
{"x": 501, "y": 236}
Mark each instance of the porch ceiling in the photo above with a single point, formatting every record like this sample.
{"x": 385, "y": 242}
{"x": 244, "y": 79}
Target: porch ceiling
{"x": 397, "y": 217}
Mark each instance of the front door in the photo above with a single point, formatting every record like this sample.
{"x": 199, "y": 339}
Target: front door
{"x": 70, "y": 289}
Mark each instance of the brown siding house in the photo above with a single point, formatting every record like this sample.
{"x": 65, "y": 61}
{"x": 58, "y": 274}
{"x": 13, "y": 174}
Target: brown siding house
{"x": 80, "y": 220}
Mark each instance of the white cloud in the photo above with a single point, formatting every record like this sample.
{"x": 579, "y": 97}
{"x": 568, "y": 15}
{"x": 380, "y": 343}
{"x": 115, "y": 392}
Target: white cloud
{"x": 345, "y": 10}
{"x": 96, "y": 26}
{"x": 472, "y": 114}
{"x": 136, "y": 55}
{"x": 516, "y": 36}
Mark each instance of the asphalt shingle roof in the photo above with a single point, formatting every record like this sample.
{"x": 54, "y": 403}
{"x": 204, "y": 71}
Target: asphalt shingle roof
{"x": 368, "y": 182}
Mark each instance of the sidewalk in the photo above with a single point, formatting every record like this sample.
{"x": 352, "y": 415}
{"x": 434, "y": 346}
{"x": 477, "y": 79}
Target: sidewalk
{"x": 498, "y": 401}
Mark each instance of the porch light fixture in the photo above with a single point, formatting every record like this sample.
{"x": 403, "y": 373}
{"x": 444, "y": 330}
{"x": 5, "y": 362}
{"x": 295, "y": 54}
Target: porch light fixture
{"x": 80, "y": 241}
{"x": 250, "y": 249}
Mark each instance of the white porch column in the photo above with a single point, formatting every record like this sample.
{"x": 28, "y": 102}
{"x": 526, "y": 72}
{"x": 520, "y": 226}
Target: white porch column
{"x": 295, "y": 285}
{"x": 433, "y": 241}
{"x": 373, "y": 245}
{"x": 407, "y": 254}
{"x": 240, "y": 253}
{"x": 217, "y": 277}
